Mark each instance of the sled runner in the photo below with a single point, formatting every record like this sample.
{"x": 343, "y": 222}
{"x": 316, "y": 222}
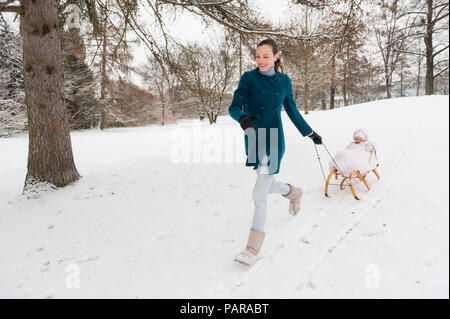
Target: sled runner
{"x": 353, "y": 174}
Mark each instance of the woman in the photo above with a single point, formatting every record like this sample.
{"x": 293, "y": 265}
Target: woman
{"x": 256, "y": 106}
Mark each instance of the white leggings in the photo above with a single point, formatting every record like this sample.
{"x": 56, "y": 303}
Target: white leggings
{"x": 264, "y": 185}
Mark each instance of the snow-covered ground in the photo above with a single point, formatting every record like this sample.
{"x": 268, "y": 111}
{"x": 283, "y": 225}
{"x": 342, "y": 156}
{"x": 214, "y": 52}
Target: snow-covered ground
{"x": 161, "y": 212}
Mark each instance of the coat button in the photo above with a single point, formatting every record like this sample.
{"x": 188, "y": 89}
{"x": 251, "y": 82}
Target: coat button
{"x": 261, "y": 107}
{"x": 276, "y": 93}
{"x": 262, "y": 92}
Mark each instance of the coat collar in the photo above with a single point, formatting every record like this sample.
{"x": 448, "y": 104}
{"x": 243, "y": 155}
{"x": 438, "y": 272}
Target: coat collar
{"x": 275, "y": 77}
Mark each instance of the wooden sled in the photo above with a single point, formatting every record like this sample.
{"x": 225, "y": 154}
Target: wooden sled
{"x": 352, "y": 175}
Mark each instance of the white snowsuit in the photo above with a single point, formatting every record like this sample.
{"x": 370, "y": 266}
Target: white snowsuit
{"x": 355, "y": 157}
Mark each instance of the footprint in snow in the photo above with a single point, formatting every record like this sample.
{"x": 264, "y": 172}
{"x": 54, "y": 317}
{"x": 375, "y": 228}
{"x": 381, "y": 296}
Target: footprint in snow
{"x": 46, "y": 267}
{"x": 164, "y": 236}
{"x": 310, "y": 285}
{"x": 305, "y": 241}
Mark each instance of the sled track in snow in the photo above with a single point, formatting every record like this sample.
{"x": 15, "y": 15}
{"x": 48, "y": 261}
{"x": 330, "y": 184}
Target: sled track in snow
{"x": 374, "y": 197}
{"x": 320, "y": 233}
{"x": 233, "y": 280}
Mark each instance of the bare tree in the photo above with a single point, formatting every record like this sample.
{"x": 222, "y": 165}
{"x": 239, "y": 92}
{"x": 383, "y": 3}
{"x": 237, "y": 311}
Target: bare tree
{"x": 436, "y": 11}
{"x": 208, "y": 74}
{"x": 429, "y": 22}
{"x": 341, "y": 15}
{"x": 112, "y": 55}
{"x": 370, "y": 78}
{"x": 129, "y": 105}
{"x": 350, "y": 58}
{"x": 417, "y": 52}
{"x": 390, "y": 36}
{"x": 305, "y": 57}
{"x": 165, "y": 83}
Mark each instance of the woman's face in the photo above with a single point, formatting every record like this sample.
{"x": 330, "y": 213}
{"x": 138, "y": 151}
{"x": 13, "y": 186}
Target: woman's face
{"x": 265, "y": 58}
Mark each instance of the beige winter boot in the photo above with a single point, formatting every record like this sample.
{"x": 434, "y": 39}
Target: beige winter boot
{"x": 249, "y": 256}
{"x": 294, "y": 196}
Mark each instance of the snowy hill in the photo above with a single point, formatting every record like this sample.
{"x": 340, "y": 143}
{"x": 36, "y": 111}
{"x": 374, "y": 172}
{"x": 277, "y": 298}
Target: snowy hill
{"x": 156, "y": 215}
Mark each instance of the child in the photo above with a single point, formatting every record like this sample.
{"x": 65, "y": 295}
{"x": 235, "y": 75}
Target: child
{"x": 358, "y": 155}
{"x": 360, "y": 141}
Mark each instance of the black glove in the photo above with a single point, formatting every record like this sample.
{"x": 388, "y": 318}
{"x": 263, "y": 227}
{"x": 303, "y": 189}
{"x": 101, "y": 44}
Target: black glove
{"x": 247, "y": 121}
{"x": 317, "y": 139}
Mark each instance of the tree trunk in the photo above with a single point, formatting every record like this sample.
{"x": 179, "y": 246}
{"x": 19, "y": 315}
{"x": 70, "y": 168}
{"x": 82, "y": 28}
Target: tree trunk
{"x": 163, "y": 109}
{"x": 50, "y": 157}
{"x": 429, "y": 77}
{"x": 418, "y": 76}
{"x": 388, "y": 67}
{"x": 333, "y": 82}
{"x": 344, "y": 87}
{"x": 103, "y": 73}
{"x": 240, "y": 55}
{"x": 306, "y": 98}
{"x": 401, "y": 80}
{"x": 324, "y": 103}
{"x": 209, "y": 114}
{"x": 369, "y": 77}
{"x": 388, "y": 84}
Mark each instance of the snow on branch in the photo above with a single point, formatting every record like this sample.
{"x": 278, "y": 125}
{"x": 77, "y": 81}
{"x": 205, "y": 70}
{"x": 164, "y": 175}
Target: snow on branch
{"x": 6, "y": 7}
{"x": 4, "y": 4}
{"x": 441, "y": 72}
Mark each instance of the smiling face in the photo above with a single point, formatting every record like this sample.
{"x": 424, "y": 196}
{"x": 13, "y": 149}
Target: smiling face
{"x": 265, "y": 58}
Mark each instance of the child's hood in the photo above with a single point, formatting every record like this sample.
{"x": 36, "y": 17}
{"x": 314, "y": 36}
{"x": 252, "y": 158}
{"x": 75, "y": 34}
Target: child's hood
{"x": 362, "y": 133}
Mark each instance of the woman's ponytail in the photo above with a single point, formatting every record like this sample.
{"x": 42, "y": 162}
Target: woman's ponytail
{"x": 278, "y": 65}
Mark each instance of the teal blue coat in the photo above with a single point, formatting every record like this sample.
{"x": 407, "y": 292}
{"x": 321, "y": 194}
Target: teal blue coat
{"x": 262, "y": 96}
